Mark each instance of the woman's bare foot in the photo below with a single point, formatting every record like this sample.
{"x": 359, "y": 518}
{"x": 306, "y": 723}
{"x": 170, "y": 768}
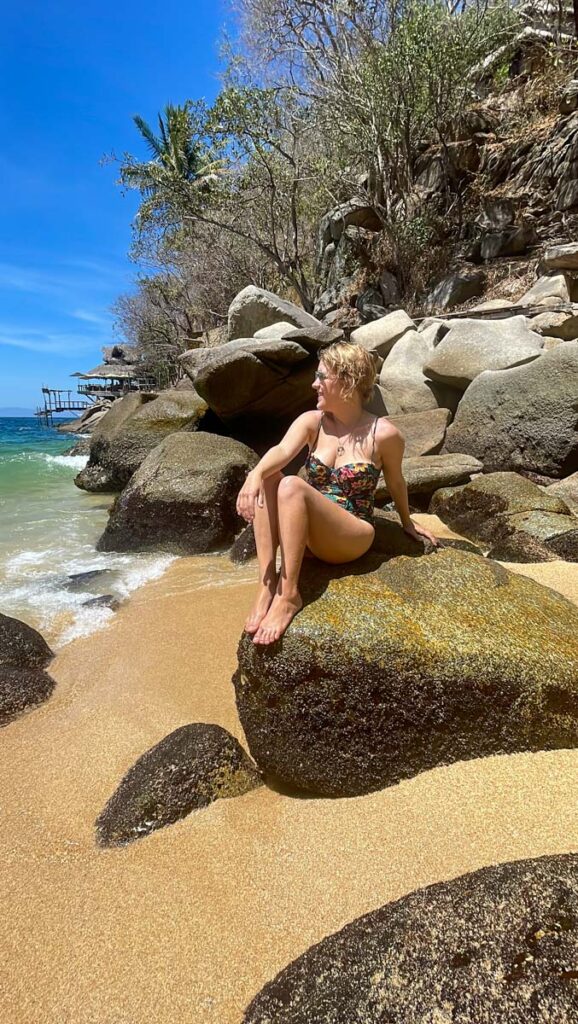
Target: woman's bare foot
{"x": 280, "y": 614}
{"x": 261, "y": 606}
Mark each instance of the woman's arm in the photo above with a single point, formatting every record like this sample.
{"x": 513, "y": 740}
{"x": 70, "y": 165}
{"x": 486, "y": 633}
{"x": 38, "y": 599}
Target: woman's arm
{"x": 300, "y": 433}
{"x": 390, "y": 446}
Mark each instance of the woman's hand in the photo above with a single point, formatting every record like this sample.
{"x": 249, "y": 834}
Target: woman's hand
{"x": 416, "y": 531}
{"x": 250, "y": 496}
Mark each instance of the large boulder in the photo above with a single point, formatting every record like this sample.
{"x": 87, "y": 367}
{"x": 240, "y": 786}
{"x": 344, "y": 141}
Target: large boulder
{"x": 314, "y": 338}
{"x": 552, "y": 324}
{"x": 498, "y": 506}
{"x": 404, "y": 386}
{"x": 424, "y": 474}
{"x": 561, "y": 257}
{"x": 524, "y": 418}
{"x": 24, "y": 654}
{"x": 567, "y": 490}
{"x": 496, "y": 946}
{"x": 380, "y": 336}
{"x": 182, "y": 499}
{"x": 393, "y": 669}
{"x": 187, "y": 770}
{"x": 423, "y": 432}
{"x": 21, "y": 646}
{"x": 253, "y": 377}
{"x": 546, "y": 291}
{"x": 274, "y": 330}
{"x": 254, "y": 308}
{"x": 402, "y": 383}
{"x": 510, "y": 241}
{"x": 354, "y": 213}
{"x": 131, "y": 430}
{"x": 472, "y": 346}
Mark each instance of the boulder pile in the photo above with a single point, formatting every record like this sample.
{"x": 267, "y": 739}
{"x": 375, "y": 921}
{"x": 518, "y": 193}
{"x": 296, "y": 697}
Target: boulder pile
{"x": 494, "y": 391}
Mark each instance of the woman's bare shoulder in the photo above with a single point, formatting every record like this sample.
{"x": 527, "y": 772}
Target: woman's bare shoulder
{"x": 386, "y": 431}
{"x": 306, "y": 425}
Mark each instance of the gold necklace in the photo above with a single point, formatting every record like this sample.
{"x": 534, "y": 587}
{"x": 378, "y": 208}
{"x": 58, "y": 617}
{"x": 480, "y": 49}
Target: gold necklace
{"x": 357, "y": 439}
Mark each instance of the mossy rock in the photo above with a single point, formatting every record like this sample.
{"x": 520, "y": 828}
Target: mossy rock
{"x": 183, "y": 498}
{"x": 131, "y": 430}
{"x": 510, "y": 514}
{"x": 187, "y": 770}
{"x": 395, "y": 668}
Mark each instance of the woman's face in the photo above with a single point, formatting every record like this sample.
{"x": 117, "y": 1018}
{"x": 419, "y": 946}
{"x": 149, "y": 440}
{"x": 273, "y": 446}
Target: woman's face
{"x": 327, "y": 386}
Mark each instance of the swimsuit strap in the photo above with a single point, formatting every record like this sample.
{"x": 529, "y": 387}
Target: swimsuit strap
{"x": 373, "y": 437}
{"x": 314, "y": 445}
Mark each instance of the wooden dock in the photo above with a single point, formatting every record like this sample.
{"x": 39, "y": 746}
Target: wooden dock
{"x": 59, "y": 401}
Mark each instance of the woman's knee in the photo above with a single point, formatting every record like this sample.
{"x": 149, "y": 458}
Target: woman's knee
{"x": 291, "y": 487}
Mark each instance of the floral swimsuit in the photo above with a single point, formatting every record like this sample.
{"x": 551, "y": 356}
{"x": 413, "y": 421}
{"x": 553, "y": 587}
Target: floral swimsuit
{"x": 352, "y": 486}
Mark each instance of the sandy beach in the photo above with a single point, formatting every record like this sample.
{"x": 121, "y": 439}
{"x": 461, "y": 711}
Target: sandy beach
{"x": 189, "y": 923}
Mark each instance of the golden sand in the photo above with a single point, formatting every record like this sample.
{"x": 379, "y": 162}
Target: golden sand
{"x": 188, "y": 924}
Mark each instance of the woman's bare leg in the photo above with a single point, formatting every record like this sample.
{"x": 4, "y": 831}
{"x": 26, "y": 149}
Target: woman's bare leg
{"x": 308, "y": 518}
{"x": 266, "y": 529}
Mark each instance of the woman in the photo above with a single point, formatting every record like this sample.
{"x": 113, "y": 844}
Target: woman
{"x": 331, "y": 512}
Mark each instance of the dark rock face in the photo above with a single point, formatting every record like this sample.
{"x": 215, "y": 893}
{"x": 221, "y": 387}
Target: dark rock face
{"x": 21, "y": 646}
{"x": 244, "y": 547}
{"x": 127, "y": 435}
{"x": 257, "y": 377}
{"x": 497, "y": 946}
{"x": 187, "y": 770}
{"x": 103, "y": 601}
{"x": 182, "y": 499}
{"x": 81, "y": 447}
{"x": 520, "y": 547}
{"x": 506, "y": 510}
{"x": 456, "y": 288}
{"x": 418, "y": 663}
{"x": 24, "y": 654}
{"x": 20, "y": 689}
{"x": 507, "y": 242}
{"x": 565, "y": 545}
{"x": 524, "y": 418}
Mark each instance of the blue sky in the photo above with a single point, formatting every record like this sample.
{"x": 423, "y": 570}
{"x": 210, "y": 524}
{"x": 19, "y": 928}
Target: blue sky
{"x": 70, "y": 80}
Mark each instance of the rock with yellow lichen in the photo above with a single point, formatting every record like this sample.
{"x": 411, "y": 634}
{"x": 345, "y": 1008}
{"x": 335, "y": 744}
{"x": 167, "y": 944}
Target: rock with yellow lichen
{"x": 187, "y": 770}
{"x": 518, "y": 520}
{"x": 497, "y": 946}
{"x": 394, "y": 668}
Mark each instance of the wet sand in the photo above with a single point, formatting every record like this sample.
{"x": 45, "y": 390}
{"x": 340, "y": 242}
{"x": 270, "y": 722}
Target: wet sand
{"x": 189, "y": 923}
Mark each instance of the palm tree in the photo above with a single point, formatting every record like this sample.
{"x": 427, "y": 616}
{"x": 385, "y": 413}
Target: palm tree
{"x": 177, "y": 157}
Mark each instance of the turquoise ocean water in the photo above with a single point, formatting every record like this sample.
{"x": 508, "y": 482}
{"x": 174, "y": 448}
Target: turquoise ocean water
{"x": 48, "y": 532}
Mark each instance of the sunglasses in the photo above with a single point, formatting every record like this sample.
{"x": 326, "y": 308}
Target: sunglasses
{"x": 320, "y": 375}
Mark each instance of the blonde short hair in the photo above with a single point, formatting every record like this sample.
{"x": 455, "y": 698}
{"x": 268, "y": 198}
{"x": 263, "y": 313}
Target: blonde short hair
{"x": 353, "y": 365}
